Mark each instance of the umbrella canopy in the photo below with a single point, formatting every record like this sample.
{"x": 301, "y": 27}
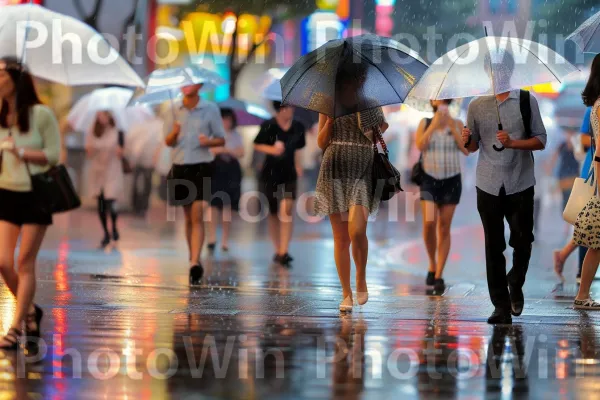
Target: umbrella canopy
{"x": 354, "y": 74}
{"x": 273, "y": 91}
{"x": 489, "y": 66}
{"x": 587, "y": 36}
{"x": 165, "y": 84}
{"x": 247, "y": 114}
{"x": 112, "y": 99}
{"x": 34, "y": 34}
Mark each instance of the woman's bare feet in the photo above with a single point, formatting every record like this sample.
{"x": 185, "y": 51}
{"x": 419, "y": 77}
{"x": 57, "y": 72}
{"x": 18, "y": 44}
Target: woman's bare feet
{"x": 559, "y": 264}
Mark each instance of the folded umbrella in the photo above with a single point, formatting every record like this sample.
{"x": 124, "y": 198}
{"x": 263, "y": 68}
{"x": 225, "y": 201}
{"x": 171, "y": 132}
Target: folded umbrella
{"x": 247, "y": 114}
{"x": 35, "y": 34}
{"x": 587, "y": 36}
{"x": 350, "y": 75}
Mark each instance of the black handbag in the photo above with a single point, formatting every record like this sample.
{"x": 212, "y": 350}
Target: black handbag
{"x": 126, "y": 165}
{"x": 418, "y": 173}
{"x": 386, "y": 178}
{"x": 54, "y": 190}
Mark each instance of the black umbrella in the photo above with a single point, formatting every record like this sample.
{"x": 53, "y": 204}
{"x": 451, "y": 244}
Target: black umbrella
{"x": 351, "y": 75}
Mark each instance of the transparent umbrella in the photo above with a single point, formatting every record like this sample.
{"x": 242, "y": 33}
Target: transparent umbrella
{"x": 247, "y": 113}
{"x": 30, "y": 32}
{"x": 489, "y": 66}
{"x": 165, "y": 84}
{"x": 112, "y": 99}
{"x": 273, "y": 91}
{"x": 587, "y": 36}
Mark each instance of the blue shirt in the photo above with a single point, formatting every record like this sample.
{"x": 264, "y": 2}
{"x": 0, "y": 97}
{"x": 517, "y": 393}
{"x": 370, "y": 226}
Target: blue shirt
{"x": 586, "y": 128}
{"x": 205, "y": 119}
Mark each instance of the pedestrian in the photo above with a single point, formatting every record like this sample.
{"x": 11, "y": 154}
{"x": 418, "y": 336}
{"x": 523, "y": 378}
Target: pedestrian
{"x": 281, "y": 138}
{"x": 197, "y": 128}
{"x": 227, "y": 182}
{"x": 589, "y": 234}
{"x": 440, "y": 141}
{"x": 29, "y": 144}
{"x": 560, "y": 256}
{"x": 345, "y": 192}
{"x": 106, "y": 174}
{"x": 144, "y": 145}
{"x": 505, "y": 185}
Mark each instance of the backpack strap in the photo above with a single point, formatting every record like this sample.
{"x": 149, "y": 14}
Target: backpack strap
{"x": 525, "y": 105}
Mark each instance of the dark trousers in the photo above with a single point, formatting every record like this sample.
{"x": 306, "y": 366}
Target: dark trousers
{"x": 518, "y": 210}
{"x": 142, "y": 189}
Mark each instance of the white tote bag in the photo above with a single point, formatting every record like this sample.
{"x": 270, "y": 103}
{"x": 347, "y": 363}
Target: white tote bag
{"x": 583, "y": 191}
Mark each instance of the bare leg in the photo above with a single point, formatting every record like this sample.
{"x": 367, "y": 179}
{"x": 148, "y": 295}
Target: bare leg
{"x": 9, "y": 235}
{"x": 187, "y": 211}
{"x": 357, "y": 230}
{"x": 227, "y": 217}
{"x": 197, "y": 237}
{"x": 590, "y": 267}
{"x": 429, "y": 232}
{"x": 274, "y": 231}
{"x": 31, "y": 241}
{"x": 286, "y": 218}
{"x": 341, "y": 241}
{"x": 560, "y": 257}
{"x": 446, "y": 213}
{"x": 213, "y": 222}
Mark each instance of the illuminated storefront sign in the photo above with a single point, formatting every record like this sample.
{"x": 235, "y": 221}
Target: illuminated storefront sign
{"x": 15, "y": 2}
{"x": 328, "y": 23}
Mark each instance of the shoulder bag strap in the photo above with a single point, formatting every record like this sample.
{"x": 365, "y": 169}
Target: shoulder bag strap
{"x": 525, "y": 106}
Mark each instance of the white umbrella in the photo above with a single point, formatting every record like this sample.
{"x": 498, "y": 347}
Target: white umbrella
{"x": 112, "y": 99}
{"x": 463, "y": 72}
{"x": 60, "y": 48}
{"x": 587, "y": 36}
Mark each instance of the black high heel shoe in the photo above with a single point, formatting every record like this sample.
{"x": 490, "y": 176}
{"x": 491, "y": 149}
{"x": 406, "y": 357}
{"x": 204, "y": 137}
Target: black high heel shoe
{"x": 196, "y": 273}
{"x": 35, "y": 317}
{"x": 105, "y": 242}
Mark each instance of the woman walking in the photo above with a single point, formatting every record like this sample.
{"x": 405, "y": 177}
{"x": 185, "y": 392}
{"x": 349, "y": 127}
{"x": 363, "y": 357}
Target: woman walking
{"x": 440, "y": 141}
{"x": 345, "y": 192}
{"x": 106, "y": 175}
{"x": 281, "y": 139}
{"x": 589, "y": 234}
{"x": 227, "y": 181}
{"x": 29, "y": 143}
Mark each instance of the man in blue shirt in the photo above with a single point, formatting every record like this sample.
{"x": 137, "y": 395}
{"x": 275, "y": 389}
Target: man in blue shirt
{"x": 560, "y": 256}
{"x": 197, "y": 128}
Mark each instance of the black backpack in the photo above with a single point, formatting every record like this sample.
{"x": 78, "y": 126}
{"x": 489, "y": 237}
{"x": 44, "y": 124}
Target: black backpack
{"x": 525, "y": 105}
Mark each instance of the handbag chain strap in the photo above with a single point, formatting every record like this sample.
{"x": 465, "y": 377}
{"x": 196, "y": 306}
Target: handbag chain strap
{"x": 378, "y": 138}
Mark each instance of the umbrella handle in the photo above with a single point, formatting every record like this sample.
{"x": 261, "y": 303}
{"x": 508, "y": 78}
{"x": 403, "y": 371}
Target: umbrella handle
{"x": 501, "y": 148}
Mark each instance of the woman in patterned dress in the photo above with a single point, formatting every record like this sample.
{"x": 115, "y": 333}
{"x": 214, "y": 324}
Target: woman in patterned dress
{"x": 583, "y": 301}
{"x": 345, "y": 190}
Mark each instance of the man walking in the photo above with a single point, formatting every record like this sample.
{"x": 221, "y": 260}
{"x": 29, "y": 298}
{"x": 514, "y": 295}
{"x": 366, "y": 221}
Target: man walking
{"x": 505, "y": 189}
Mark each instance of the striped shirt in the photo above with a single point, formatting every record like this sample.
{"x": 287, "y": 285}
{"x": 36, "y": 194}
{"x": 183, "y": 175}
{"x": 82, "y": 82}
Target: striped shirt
{"x": 511, "y": 168}
{"x": 441, "y": 158}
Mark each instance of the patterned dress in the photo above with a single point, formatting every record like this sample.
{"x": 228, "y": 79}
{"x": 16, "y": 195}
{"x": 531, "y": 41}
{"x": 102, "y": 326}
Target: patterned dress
{"x": 587, "y": 226}
{"x": 345, "y": 178}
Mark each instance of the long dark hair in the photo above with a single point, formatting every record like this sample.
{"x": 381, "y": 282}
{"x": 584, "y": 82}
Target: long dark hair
{"x": 591, "y": 93}
{"x": 99, "y": 128}
{"x": 25, "y": 92}
{"x": 229, "y": 113}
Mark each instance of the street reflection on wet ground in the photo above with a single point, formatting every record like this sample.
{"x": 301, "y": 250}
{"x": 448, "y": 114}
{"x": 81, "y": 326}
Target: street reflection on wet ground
{"x": 124, "y": 324}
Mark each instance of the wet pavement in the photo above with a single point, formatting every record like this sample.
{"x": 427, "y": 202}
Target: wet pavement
{"x": 123, "y": 324}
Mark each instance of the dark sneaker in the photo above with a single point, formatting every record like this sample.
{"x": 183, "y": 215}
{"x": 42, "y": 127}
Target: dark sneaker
{"x": 439, "y": 285}
{"x": 500, "y": 316}
{"x": 517, "y": 300}
{"x": 105, "y": 242}
{"x": 196, "y": 273}
{"x": 211, "y": 247}
{"x": 116, "y": 235}
{"x": 430, "y": 281}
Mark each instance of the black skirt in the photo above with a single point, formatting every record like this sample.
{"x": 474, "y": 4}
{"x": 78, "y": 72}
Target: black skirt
{"x": 227, "y": 183}
{"x": 189, "y": 183}
{"x": 441, "y": 191}
{"x": 20, "y": 208}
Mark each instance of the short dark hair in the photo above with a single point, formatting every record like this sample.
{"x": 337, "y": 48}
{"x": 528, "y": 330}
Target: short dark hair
{"x": 591, "y": 93}
{"x": 229, "y": 113}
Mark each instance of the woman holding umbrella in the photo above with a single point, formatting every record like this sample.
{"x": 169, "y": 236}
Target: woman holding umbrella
{"x": 30, "y": 143}
{"x": 227, "y": 181}
{"x": 345, "y": 187}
